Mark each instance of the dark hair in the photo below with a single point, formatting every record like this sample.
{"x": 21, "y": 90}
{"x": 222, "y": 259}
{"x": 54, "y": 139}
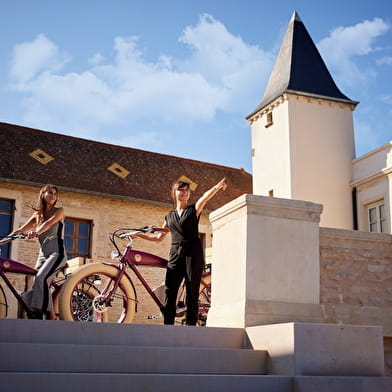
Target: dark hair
{"x": 40, "y": 207}
{"x": 178, "y": 185}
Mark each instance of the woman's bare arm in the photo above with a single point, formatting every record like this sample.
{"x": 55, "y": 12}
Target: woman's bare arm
{"x": 29, "y": 225}
{"x": 209, "y": 195}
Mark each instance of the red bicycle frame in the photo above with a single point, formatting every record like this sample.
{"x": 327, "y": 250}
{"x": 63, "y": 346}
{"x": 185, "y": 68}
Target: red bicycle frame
{"x": 133, "y": 258}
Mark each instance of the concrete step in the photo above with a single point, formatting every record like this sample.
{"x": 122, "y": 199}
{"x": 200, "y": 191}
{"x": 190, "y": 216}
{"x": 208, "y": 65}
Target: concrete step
{"x": 82, "y": 382}
{"x": 341, "y": 384}
{"x": 63, "y": 332}
{"x": 39, "y": 355}
{"x": 103, "y": 382}
{"x": 70, "y": 358}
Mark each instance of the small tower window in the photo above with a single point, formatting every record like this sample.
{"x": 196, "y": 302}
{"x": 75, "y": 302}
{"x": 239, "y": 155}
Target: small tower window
{"x": 269, "y": 120}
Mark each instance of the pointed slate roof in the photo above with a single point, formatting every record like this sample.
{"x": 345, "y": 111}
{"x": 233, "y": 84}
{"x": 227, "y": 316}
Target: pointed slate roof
{"x": 299, "y": 68}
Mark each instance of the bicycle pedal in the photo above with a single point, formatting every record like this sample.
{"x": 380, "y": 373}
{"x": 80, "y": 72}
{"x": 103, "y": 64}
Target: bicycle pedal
{"x": 154, "y": 316}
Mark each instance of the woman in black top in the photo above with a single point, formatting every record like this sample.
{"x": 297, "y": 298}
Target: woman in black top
{"x": 186, "y": 259}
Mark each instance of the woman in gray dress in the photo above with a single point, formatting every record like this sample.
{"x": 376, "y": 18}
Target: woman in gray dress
{"x": 46, "y": 224}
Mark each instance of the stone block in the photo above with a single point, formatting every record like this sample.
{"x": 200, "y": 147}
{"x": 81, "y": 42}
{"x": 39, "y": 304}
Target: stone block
{"x": 320, "y": 349}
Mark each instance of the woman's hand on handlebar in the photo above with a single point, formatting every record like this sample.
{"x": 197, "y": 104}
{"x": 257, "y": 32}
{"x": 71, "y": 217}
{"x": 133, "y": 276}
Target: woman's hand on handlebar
{"x": 160, "y": 232}
{"x": 32, "y": 234}
{"x": 20, "y": 234}
{"x": 155, "y": 229}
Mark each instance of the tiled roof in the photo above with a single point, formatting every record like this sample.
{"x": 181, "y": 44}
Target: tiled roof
{"x": 38, "y": 157}
{"x": 299, "y": 68}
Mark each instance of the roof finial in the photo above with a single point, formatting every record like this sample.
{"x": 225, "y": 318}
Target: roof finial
{"x": 295, "y": 17}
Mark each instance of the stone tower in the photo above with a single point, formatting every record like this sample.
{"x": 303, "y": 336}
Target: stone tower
{"x": 302, "y": 132}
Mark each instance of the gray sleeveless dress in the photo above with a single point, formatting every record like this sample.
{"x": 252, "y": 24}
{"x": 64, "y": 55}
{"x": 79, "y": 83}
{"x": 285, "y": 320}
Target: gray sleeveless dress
{"x": 51, "y": 259}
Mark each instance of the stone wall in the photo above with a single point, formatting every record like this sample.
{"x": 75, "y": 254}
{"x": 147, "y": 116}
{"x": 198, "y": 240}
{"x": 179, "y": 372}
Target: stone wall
{"x": 355, "y": 268}
{"x": 356, "y": 279}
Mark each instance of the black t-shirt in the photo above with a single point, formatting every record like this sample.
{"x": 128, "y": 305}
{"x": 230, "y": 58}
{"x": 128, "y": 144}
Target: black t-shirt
{"x": 184, "y": 229}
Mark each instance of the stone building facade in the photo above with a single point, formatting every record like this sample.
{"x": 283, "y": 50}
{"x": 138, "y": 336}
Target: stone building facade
{"x": 104, "y": 188}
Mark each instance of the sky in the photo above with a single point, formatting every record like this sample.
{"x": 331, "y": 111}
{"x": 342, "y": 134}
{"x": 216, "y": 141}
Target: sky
{"x": 179, "y": 77}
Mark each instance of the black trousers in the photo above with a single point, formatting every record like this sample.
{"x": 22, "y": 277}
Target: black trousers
{"x": 190, "y": 269}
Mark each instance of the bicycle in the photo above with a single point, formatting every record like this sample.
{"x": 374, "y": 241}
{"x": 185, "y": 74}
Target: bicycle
{"x": 16, "y": 267}
{"x": 105, "y": 292}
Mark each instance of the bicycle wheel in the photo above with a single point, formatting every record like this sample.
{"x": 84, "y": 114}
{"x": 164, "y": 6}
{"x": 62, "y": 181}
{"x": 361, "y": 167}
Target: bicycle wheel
{"x": 84, "y": 296}
{"x": 83, "y": 309}
{"x": 3, "y": 304}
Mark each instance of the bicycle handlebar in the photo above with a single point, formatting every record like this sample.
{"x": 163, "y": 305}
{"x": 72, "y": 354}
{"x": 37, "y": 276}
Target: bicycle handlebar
{"x": 12, "y": 237}
{"x": 145, "y": 229}
{"x": 130, "y": 233}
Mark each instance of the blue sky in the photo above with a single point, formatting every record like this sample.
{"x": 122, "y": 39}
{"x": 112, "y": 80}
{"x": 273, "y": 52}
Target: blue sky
{"x": 179, "y": 77}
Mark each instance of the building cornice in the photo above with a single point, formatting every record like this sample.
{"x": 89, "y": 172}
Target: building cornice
{"x": 373, "y": 152}
{"x": 372, "y": 177}
{"x": 290, "y": 94}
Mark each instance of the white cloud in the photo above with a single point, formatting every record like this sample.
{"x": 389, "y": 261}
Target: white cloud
{"x": 154, "y": 90}
{"x": 387, "y": 99}
{"x": 227, "y": 61}
{"x": 345, "y": 43}
{"x": 31, "y": 58}
{"x": 385, "y": 60}
{"x": 98, "y": 58}
{"x": 219, "y": 74}
{"x": 215, "y": 51}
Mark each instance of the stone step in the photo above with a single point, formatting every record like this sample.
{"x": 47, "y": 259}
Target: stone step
{"x": 82, "y": 382}
{"x": 71, "y": 358}
{"x": 341, "y": 384}
{"x": 63, "y": 332}
{"x": 39, "y": 355}
{"x": 103, "y": 382}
